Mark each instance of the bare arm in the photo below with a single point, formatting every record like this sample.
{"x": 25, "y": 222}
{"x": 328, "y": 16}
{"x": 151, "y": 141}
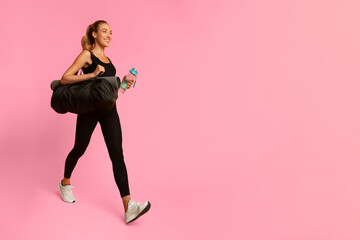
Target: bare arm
{"x": 79, "y": 62}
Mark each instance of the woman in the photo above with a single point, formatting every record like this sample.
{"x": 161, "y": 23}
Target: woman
{"x": 92, "y": 61}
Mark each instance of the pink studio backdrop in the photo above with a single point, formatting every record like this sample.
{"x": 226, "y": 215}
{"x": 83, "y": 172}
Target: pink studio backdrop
{"x": 244, "y": 122}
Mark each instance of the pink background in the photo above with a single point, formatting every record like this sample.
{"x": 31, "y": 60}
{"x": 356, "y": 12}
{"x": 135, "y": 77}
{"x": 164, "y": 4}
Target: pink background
{"x": 244, "y": 122}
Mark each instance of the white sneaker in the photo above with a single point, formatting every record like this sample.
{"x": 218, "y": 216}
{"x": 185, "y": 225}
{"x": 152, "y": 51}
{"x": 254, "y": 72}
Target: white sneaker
{"x": 66, "y": 193}
{"x": 135, "y": 210}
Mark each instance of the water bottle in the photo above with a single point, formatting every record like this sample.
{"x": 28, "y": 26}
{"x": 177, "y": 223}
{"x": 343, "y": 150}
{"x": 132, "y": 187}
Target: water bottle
{"x": 128, "y": 77}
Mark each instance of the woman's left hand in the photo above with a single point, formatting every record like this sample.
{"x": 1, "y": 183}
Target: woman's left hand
{"x": 129, "y": 83}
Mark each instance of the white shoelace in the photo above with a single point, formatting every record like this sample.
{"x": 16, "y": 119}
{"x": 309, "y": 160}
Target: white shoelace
{"x": 67, "y": 191}
{"x": 134, "y": 206}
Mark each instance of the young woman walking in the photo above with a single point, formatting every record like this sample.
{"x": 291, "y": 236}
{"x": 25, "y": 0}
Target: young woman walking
{"x": 92, "y": 61}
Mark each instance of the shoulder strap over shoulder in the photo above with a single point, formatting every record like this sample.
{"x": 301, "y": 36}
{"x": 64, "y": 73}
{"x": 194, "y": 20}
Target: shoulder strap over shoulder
{"x": 93, "y": 57}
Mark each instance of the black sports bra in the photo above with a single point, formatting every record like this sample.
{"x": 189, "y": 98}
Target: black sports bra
{"x": 110, "y": 69}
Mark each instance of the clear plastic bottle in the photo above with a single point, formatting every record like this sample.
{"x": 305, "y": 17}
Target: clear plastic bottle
{"x": 132, "y": 75}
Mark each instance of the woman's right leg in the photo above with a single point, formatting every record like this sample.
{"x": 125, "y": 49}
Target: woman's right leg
{"x": 85, "y": 125}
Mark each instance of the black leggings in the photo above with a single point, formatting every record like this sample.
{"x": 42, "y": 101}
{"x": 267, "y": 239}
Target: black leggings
{"x": 111, "y": 129}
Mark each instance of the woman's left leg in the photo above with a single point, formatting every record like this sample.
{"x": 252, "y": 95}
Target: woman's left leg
{"x": 111, "y": 129}
{"x": 110, "y": 126}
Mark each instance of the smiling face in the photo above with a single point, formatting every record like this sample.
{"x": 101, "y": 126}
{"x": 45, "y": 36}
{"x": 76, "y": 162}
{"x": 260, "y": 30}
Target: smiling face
{"x": 104, "y": 35}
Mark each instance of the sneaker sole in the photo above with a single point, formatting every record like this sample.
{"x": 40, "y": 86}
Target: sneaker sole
{"x": 62, "y": 197}
{"x": 142, "y": 212}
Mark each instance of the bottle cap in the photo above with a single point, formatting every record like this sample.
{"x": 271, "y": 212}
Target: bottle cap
{"x": 133, "y": 71}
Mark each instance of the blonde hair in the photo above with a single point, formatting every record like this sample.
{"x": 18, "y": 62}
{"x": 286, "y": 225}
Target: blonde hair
{"x": 88, "y": 41}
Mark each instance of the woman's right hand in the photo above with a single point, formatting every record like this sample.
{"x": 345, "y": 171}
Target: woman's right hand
{"x": 99, "y": 69}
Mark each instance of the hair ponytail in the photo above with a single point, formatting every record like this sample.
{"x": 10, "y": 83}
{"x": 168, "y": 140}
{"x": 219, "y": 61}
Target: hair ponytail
{"x": 88, "y": 41}
{"x": 85, "y": 43}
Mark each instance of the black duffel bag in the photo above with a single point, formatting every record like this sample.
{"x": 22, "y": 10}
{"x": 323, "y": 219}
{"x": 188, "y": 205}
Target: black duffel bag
{"x": 85, "y": 96}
